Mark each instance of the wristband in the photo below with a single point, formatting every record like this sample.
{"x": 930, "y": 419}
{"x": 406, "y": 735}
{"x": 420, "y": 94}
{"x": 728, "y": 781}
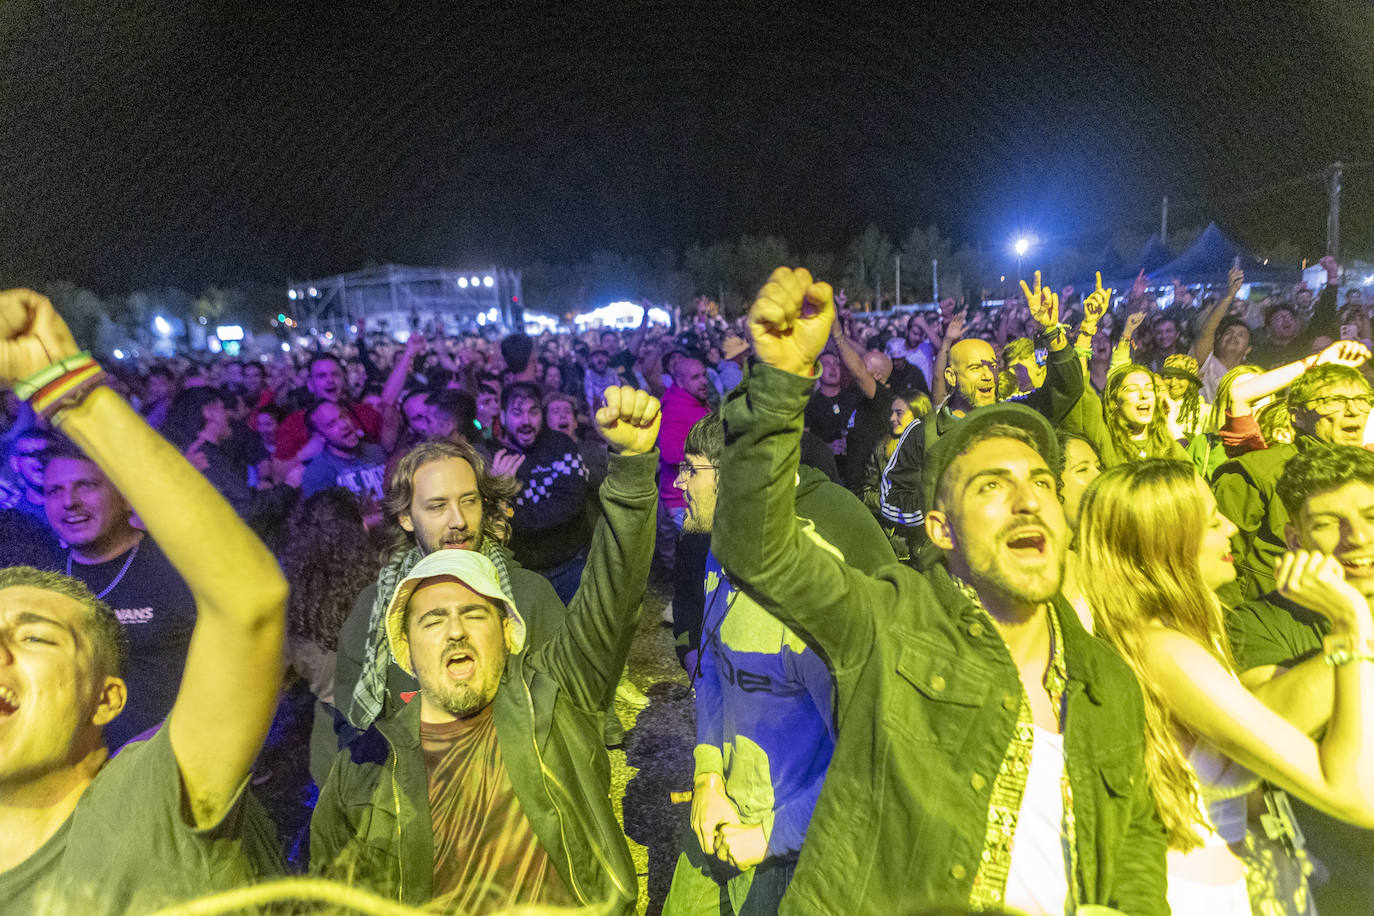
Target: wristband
{"x": 1085, "y": 352}
{"x": 27, "y": 388}
{"x": 1050, "y": 332}
{"x": 76, "y": 377}
{"x": 1342, "y": 650}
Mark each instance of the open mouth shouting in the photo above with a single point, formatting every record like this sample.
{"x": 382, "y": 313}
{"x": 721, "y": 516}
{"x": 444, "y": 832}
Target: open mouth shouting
{"x": 9, "y": 703}
{"x": 1030, "y": 542}
{"x": 460, "y": 664}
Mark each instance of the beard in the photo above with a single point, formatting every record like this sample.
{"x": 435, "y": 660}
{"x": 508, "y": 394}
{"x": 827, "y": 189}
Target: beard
{"x": 466, "y": 698}
{"x": 1020, "y": 581}
{"x": 700, "y": 515}
{"x": 694, "y": 524}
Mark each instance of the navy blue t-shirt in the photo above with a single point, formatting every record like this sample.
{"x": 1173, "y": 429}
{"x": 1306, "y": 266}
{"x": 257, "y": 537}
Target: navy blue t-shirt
{"x": 158, "y": 613}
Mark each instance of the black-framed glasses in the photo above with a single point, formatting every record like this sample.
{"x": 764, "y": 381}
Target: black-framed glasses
{"x": 686, "y": 467}
{"x": 1337, "y": 403}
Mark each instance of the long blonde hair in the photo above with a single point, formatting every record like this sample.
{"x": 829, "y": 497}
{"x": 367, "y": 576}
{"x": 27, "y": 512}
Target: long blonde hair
{"x": 1139, "y": 535}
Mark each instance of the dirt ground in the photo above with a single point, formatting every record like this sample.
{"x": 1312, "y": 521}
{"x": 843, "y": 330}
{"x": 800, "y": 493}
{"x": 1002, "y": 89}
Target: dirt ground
{"x": 656, "y": 759}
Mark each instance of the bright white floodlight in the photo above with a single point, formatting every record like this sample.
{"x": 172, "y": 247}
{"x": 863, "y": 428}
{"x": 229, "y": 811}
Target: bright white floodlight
{"x": 1022, "y": 246}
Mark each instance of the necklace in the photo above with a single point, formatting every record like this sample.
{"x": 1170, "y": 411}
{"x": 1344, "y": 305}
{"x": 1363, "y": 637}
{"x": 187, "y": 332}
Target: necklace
{"x": 118, "y": 577}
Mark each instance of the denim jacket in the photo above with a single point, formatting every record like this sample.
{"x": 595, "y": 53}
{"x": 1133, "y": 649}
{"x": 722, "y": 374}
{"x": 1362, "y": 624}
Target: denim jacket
{"x": 926, "y": 700}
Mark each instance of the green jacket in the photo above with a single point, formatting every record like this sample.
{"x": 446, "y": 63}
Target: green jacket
{"x": 926, "y": 703}
{"x": 1244, "y": 488}
{"x": 371, "y": 825}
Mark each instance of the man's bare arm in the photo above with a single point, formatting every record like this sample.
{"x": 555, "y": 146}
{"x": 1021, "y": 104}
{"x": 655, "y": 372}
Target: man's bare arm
{"x": 1207, "y": 333}
{"x": 233, "y": 670}
{"x": 853, "y": 361}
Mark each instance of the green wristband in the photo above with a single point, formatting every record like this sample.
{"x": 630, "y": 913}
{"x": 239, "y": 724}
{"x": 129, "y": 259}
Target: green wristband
{"x": 30, "y": 386}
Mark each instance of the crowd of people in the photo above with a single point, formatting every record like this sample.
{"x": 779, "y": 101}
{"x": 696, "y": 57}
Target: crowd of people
{"x": 1040, "y": 608}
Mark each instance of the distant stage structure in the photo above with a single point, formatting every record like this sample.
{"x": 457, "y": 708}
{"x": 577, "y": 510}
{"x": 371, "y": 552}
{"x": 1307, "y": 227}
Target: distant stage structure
{"x": 400, "y": 300}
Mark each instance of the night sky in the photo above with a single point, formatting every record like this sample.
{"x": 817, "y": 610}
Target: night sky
{"x": 150, "y": 143}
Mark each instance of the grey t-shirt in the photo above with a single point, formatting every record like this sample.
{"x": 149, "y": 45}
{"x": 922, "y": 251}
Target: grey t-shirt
{"x": 128, "y": 847}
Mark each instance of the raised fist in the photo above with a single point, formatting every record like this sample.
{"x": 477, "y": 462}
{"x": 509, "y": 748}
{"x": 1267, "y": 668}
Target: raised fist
{"x": 790, "y": 320}
{"x": 629, "y": 421}
{"x": 32, "y": 335}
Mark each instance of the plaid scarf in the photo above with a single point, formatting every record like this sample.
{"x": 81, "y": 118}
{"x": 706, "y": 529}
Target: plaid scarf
{"x": 369, "y": 694}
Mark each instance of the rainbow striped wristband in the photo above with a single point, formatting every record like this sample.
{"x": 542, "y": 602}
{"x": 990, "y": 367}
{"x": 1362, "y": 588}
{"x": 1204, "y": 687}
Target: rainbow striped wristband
{"x": 63, "y": 384}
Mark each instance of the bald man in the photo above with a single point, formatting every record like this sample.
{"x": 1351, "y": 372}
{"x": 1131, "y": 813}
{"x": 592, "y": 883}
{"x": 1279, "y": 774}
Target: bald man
{"x": 971, "y": 377}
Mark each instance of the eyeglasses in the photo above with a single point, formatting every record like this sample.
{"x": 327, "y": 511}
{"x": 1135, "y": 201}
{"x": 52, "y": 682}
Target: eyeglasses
{"x": 686, "y": 467}
{"x": 1337, "y": 403}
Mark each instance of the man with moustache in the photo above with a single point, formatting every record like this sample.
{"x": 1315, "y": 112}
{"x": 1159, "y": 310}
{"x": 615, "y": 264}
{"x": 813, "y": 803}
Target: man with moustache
{"x": 443, "y": 495}
{"x": 346, "y": 460}
{"x": 764, "y": 704}
{"x": 551, "y": 529}
{"x": 490, "y": 789}
{"x": 126, "y": 569}
{"x": 989, "y": 752}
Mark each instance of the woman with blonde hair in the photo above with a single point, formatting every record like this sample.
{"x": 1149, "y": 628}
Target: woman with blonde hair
{"x": 1157, "y": 548}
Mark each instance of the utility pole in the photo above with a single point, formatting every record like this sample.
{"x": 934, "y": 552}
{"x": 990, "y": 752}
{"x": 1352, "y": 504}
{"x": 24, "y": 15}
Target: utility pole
{"x": 1333, "y": 215}
{"x": 1164, "y": 220}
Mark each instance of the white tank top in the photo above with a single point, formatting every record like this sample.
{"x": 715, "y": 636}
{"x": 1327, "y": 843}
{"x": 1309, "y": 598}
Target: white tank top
{"x": 1038, "y": 882}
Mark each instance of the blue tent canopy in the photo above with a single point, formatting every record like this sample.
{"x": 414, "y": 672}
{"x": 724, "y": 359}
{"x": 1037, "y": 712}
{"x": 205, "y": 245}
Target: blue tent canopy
{"x": 1153, "y": 255}
{"x": 1209, "y": 260}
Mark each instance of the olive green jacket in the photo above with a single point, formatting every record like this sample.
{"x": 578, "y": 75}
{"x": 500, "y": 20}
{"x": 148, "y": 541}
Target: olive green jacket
{"x": 926, "y": 701}
{"x": 372, "y": 823}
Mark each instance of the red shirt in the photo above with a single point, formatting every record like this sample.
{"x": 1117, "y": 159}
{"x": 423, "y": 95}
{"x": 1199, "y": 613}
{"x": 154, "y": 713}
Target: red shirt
{"x": 294, "y": 433}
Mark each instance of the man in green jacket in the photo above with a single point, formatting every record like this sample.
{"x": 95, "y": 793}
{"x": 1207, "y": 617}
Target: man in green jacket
{"x": 1328, "y": 403}
{"x": 492, "y": 788}
{"x": 945, "y": 681}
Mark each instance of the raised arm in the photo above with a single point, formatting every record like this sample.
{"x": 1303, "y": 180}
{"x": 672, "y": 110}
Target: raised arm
{"x": 586, "y": 656}
{"x": 234, "y": 665}
{"x": 757, "y": 536}
{"x": 1249, "y": 390}
{"x": 853, "y": 360}
{"x": 1063, "y": 379}
{"x": 1335, "y": 775}
{"x": 1095, "y": 305}
{"x": 1207, "y": 333}
{"x": 391, "y": 391}
{"x": 1121, "y": 353}
{"x": 939, "y": 388}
